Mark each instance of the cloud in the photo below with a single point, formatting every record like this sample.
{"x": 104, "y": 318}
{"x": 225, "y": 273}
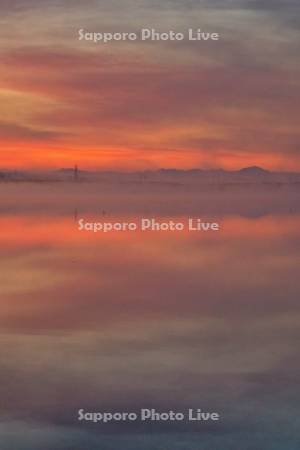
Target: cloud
{"x": 239, "y": 96}
{"x": 13, "y": 131}
{"x": 210, "y": 109}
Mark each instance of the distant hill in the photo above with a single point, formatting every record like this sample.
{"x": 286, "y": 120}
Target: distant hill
{"x": 253, "y": 170}
{"x": 249, "y": 175}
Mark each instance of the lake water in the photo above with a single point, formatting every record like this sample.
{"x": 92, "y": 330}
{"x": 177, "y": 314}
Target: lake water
{"x": 164, "y": 320}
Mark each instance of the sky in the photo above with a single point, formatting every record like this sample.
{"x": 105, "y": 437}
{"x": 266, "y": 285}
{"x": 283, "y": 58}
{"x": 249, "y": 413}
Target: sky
{"x": 145, "y": 105}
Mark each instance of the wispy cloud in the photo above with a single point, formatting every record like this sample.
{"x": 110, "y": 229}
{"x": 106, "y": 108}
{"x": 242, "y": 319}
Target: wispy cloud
{"x": 239, "y": 96}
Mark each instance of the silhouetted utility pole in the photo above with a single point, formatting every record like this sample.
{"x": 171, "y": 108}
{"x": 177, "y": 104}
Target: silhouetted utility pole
{"x": 75, "y": 172}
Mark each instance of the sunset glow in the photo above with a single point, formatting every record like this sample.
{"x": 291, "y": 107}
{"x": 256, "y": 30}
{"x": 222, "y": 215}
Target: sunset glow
{"x": 147, "y": 105}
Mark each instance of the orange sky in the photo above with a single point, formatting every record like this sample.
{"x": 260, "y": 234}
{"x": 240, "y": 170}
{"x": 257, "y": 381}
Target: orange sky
{"x": 138, "y": 105}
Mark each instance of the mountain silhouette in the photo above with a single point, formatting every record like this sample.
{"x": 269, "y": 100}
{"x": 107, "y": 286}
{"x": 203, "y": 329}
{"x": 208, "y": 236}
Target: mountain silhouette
{"x": 253, "y": 170}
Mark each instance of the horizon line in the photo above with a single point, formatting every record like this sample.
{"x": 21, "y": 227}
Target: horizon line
{"x": 76, "y": 167}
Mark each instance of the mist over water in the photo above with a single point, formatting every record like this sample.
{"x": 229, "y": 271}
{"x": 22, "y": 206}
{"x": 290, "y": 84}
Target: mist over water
{"x": 123, "y": 321}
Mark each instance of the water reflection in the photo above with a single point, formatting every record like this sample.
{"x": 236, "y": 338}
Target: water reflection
{"x": 167, "y": 320}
